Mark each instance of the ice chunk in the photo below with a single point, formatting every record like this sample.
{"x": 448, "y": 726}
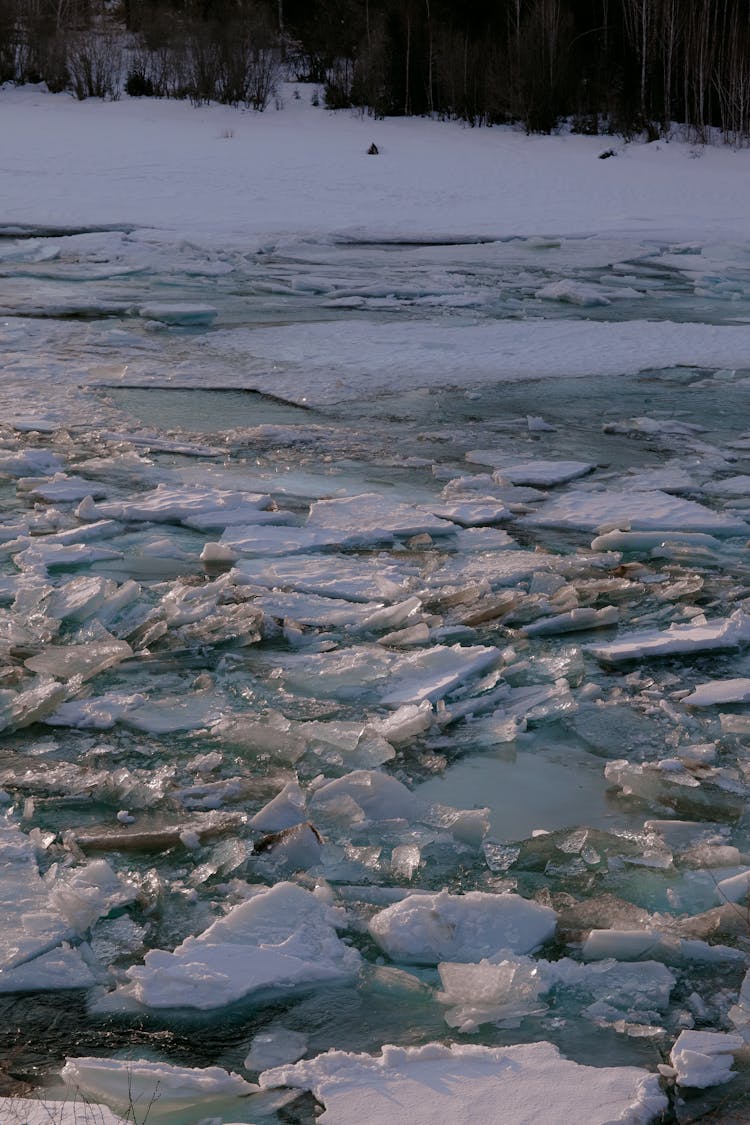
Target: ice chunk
{"x": 62, "y": 488}
{"x": 400, "y": 679}
{"x": 63, "y": 662}
{"x": 279, "y": 938}
{"x": 183, "y": 315}
{"x": 537, "y": 474}
{"x": 431, "y": 675}
{"x": 335, "y": 576}
{"x": 90, "y": 892}
{"x": 274, "y": 1046}
{"x": 62, "y": 968}
{"x": 736, "y": 486}
{"x": 39, "y": 916}
{"x": 573, "y": 292}
{"x": 625, "y": 945}
{"x": 79, "y": 598}
{"x": 406, "y": 723}
{"x": 270, "y": 540}
{"x": 490, "y": 991}
{"x": 632, "y": 511}
{"x": 375, "y": 796}
{"x": 715, "y": 692}
{"x": 42, "y": 556}
{"x": 285, "y": 810}
{"x": 440, "y": 1085}
{"x": 704, "y": 1058}
{"x": 293, "y": 849}
{"x": 174, "y": 504}
{"x": 137, "y": 1085}
{"x": 650, "y": 540}
{"x": 719, "y": 633}
{"x": 28, "y": 462}
{"x": 735, "y": 888}
{"x": 311, "y": 609}
{"x": 668, "y": 782}
{"x": 573, "y": 621}
{"x": 474, "y": 513}
{"x": 371, "y": 517}
{"x": 425, "y": 929}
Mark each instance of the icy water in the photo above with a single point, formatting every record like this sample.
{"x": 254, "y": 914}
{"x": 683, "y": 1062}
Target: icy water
{"x": 214, "y": 592}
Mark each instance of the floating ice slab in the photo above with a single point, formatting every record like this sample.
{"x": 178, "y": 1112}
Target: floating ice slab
{"x": 396, "y": 679}
{"x": 474, "y": 513}
{"x": 42, "y": 556}
{"x": 704, "y": 1058}
{"x": 334, "y": 576}
{"x": 174, "y": 504}
{"x": 574, "y": 621}
{"x": 440, "y": 1085}
{"x": 720, "y": 633}
{"x": 152, "y": 1088}
{"x": 60, "y": 969}
{"x": 40, "y": 916}
{"x": 256, "y": 539}
{"x": 281, "y": 938}
{"x": 509, "y": 987}
{"x": 62, "y": 488}
{"x": 649, "y": 540}
{"x": 537, "y": 474}
{"x": 636, "y": 511}
{"x": 28, "y": 462}
{"x": 574, "y": 293}
{"x": 275, "y": 1046}
{"x": 425, "y": 929}
{"x": 715, "y": 692}
{"x": 499, "y": 568}
{"x": 736, "y": 486}
{"x": 371, "y": 517}
{"x": 375, "y": 795}
{"x": 63, "y": 662}
{"x": 311, "y": 609}
{"x": 186, "y": 315}
{"x": 484, "y": 992}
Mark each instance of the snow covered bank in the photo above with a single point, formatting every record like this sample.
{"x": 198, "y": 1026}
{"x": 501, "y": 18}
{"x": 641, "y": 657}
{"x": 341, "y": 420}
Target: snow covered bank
{"x": 242, "y": 178}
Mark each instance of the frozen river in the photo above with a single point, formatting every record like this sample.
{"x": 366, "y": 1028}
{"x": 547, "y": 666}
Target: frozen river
{"x": 347, "y": 588}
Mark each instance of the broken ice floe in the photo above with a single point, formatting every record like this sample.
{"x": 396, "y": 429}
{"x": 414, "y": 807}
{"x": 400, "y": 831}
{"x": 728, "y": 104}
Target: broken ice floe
{"x": 507, "y": 987}
{"x": 537, "y": 474}
{"x": 154, "y": 1089}
{"x": 45, "y": 918}
{"x": 715, "y": 692}
{"x": 280, "y": 938}
{"x": 633, "y": 511}
{"x": 425, "y": 929}
{"x": 703, "y": 1058}
{"x": 721, "y": 633}
{"x": 423, "y": 1086}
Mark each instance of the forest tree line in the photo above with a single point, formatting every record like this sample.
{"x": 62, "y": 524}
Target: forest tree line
{"x": 623, "y": 66}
